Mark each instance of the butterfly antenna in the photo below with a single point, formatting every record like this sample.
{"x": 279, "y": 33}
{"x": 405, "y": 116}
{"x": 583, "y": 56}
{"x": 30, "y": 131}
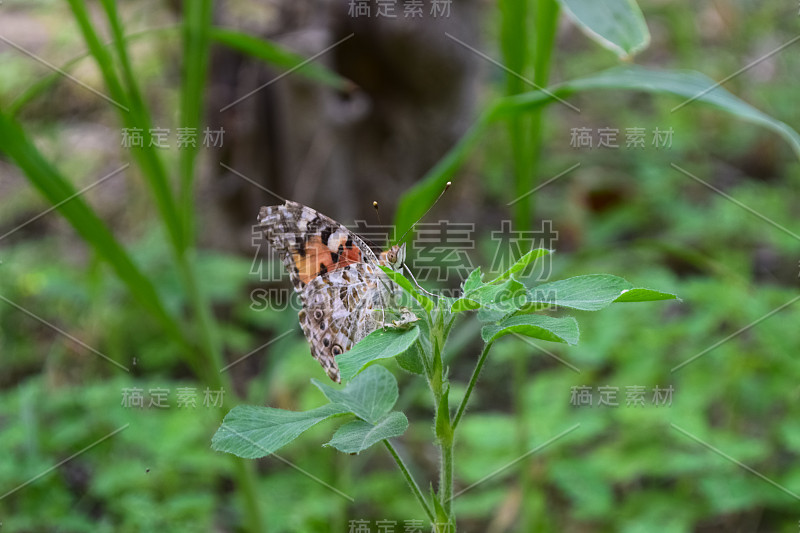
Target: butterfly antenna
{"x": 377, "y": 213}
{"x": 383, "y": 304}
{"x": 446, "y": 186}
{"x": 405, "y": 266}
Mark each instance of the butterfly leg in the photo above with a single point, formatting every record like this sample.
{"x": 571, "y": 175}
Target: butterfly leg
{"x": 415, "y": 281}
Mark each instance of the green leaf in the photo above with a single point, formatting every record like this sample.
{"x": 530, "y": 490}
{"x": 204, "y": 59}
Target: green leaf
{"x": 369, "y": 396}
{"x": 506, "y": 297}
{"x": 411, "y": 360}
{"x": 358, "y": 435}
{"x": 444, "y": 431}
{"x": 513, "y": 41}
{"x": 380, "y": 344}
{"x": 587, "y": 293}
{"x": 442, "y": 517}
{"x": 615, "y": 24}
{"x": 276, "y": 55}
{"x": 46, "y": 82}
{"x": 522, "y": 262}
{"x": 464, "y": 304}
{"x": 264, "y": 50}
{"x": 251, "y": 431}
{"x": 543, "y": 327}
{"x": 593, "y": 292}
{"x": 644, "y": 295}
{"x": 401, "y": 280}
{"x": 493, "y": 315}
{"x": 473, "y": 281}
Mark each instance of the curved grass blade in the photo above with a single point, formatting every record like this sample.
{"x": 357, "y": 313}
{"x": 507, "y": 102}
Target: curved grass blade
{"x": 615, "y": 24}
{"x": 196, "y": 42}
{"x": 680, "y": 83}
{"x": 278, "y": 56}
{"x": 53, "y": 186}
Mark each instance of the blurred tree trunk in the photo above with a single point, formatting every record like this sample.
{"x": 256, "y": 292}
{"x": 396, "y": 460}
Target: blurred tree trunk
{"x": 337, "y": 152}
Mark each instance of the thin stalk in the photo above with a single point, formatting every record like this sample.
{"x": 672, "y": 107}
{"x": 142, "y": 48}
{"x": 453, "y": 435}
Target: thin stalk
{"x": 153, "y": 167}
{"x": 472, "y": 381}
{"x": 546, "y": 18}
{"x": 514, "y": 46}
{"x": 521, "y": 437}
{"x": 246, "y": 485}
{"x": 446, "y": 488}
{"x": 442, "y": 422}
{"x": 546, "y": 21}
{"x": 412, "y": 484}
{"x": 196, "y": 45}
{"x": 136, "y": 116}
{"x": 210, "y": 358}
{"x": 206, "y": 324}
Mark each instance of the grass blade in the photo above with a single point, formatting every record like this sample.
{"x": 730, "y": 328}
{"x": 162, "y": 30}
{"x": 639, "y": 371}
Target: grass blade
{"x": 280, "y": 57}
{"x": 80, "y": 215}
{"x": 196, "y": 32}
{"x": 680, "y": 83}
{"x": 45, "y": 83}
{"x": 146, "y": 157}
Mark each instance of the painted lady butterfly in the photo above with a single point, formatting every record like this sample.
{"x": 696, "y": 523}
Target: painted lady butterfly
{"x": 337, "y": 276}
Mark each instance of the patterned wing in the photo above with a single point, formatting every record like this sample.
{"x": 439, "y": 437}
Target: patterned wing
{"x": 311, "y": 243}
{"x": 340, "y": 308}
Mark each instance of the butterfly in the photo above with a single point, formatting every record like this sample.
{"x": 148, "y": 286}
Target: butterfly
{"x": 344, "y": 292}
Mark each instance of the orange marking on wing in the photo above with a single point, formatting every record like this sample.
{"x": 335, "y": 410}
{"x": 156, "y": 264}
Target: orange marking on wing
{"x": 349, "y": 254}
{"x": 308, "y": 264}
{"x": 318, "y": 255}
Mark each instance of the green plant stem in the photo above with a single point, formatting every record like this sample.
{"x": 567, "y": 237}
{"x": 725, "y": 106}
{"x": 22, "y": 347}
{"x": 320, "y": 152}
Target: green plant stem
{"x": 153, "y": 167}
{"x": 514, "y": 46}
{"x": 246, "y": 486}
{"x": 446, "y": 489}
{"x": 412, "y": 484}
{"x": 206, "y": 325}
{"x": 209, "y": 359}
{"x": 546, "y": 19}
{"x": 197, "y": 25}
{"x": 196, "y": 45}
{"x": 135, "y": 115}
{"x": 472, "y": 381}
{"x": 521, "y": 415}
{"x": 546, "y": 13}
{"x": 442, "y": 422}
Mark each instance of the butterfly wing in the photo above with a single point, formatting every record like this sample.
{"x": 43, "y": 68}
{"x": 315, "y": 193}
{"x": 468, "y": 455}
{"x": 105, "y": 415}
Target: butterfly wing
{"x": 339, "y": 309}
{"x": 311, "y": 243}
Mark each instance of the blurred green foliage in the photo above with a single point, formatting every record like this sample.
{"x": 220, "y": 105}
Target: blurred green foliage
{"x": 625, "y": 211}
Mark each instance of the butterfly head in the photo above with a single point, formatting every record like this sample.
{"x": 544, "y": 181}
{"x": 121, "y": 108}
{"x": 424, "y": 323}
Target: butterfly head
{"x": 394, "y": 257}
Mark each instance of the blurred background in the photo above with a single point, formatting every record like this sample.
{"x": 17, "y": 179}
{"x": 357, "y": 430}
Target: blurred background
{"x": 133, "y": 316}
